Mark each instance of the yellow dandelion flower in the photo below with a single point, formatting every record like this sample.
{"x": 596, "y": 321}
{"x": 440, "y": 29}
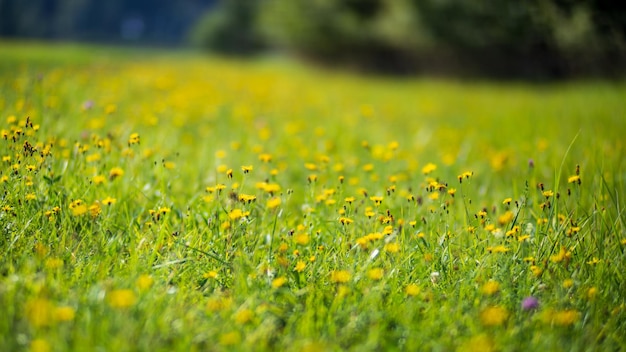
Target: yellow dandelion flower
{"x": 115, "y": 173}
{"x": 121, "y": 299}
{"x": 494, "y": 316}
{"x": 279, "y": 282}
{"x": 133, "y": 139}
{"x": 247, "y": 168}
{"x": 144, "y": 282}
{"x": 39, "y": 312}
{"x": 300, "y": 265}
{"x": 98, "y": 179}
{"x": 79, "y": 210}
{"x": 507, "y": 201}
{"x": 210, "y": 275}
{"x": 428, "y": 168}
{"x": 64, "y": 313}
{"x": 340, "y": 276}
{"x": 565, "y": 317}
{"x": 109, "y": 201}
{"x": 537, "y": 271}
{"x": 273, "y": 202}
{"x": 392, "y": 247}
{"x": 592, "y": 292}
{"x": 302, "y": 239}
{"x": 412, "y": 290}
{"x": 375, "y": 274}
{"x": 243, "y": 316}
{"x": 490, "y": 288}
{"x": 95, "y": 210}
{"x": 574, "y": 179}
{"x": 567, "y": 283}
{"x": 345, "y": 221}
{"x": 505, "y": 218}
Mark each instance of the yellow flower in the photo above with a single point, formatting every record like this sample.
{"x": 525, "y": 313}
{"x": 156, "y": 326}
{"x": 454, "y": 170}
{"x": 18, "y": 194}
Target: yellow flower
{"x": 246, "y": 169}
{"x": 505, "y": 218}
{"x": 273, "y": 202}
{"x": 345, "y": 221}
{"x": 64, "y": 313}
{"x": 302, "y": 239}
{"x": 375, "y": 274}
{"x": 428, "y": 168}
{"x": 236, "y": 214}
{"x": 300, "y": 265}
{"x": 210, "y": 275}
{"x": 567, "y": 283}
{"x": 340, "y": 276}
{"x": 507, "y": 201}
{"x": 39, "y": 312}
{"x": 144, "y": 282}
{"x": 230, "y": 338}
{"x": 279, "y": 282}
{"x": 115, "y": 173}
{"x": 392, "y": 247}
{"x": 494, "y": 316}
{"x": 121, "y": 298}
{"x": 376, "y": 199}
{"x": 573, "y": 179}
{"x": 412, "y": 290}
{"x": 243, "y": 316}
{"x": 133, "y": 139}
{"x": 490, "y": 288}
{"x": 99, "y": 179}
{"x": 109, "y": 201}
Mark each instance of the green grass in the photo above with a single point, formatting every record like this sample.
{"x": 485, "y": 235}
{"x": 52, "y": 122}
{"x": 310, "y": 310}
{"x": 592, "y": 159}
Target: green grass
{"x": 351, "y": 231}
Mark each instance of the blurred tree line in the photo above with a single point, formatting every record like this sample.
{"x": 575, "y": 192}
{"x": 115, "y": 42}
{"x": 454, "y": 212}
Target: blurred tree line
{"x": 161, "y": 22}
{"x": 542, "y": 38}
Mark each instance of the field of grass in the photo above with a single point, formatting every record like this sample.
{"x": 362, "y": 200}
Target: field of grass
{"x": 158, "y": 201}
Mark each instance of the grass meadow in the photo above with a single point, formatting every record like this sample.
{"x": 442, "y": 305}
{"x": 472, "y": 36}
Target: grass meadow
{"x": 176, "y": 202}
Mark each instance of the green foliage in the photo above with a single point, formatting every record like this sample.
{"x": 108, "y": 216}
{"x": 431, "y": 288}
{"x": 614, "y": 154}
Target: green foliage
{"x": 229, "y": 28}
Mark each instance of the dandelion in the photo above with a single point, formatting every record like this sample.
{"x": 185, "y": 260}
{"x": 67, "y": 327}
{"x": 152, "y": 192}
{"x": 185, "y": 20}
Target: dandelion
{"x": 302, "y": 239}
{"x": 273, "y": 202}
{"x": 567, "y": 283}
{"x": 247, "y": 169}
{"x": 505, "y": 218}
{"x": 133, "y": 139}
{"x": 98, "y": 179}
{"x": 78, "y": 208}
{"x": 279, "y": 282}
{"x": 392, "y": 247}
{"x": 243, "y": 316}
{"x": 490, "y": 288}
{"x": 494, "y": 316}
{"x": 144, "y": 282}
{"x": 95, "y": 210}
{"x": 428, "y": 168}
{"x": 115, "y": 173}
{"x": 64, "y": 313}
{"x": 507, "y": 201}
{"x": 412, "y": 290}
{"x": 300, "y": 265}
{"x": 375, "y": 274}
{"x": 377, "y": 200}
{"x": 109, "y": 201}
{"x": 210, "y": 275}
{"x": 345, "y": 221}
{"x": 574, "y": 179}
{"x": 340, "y": 276}
{"x": 121, "y": 299}
{"x": 39, "y": 312}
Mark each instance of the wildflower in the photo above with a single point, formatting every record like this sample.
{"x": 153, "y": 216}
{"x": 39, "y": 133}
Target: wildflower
{"x": 39, "y": 312}
{"x": 428, "y": 168}
{"x": 243, "y": 316}
{"x": 375, "y": 274}
{"x": 562, "y": 318}
{"x": 466, "y": 175}
{"x": 210, "y": 275}
{"x": 302, "y": 239}
{"x": 562, "y": 255}
{"x": 530, "y": 303}
{"x": 537, "y": 271}
{"x": 568, "y": 283}
{"x": 505, "y": 218}
{"x": 236, "y": 214}
{"x": 109, "y": 201}
{"x": 412, "y": 290}
{"x": 246, "y": 198}
{"x": 229, "y": 173}
{"x": 493, "y": 316}
{"x": 95, "y": 210}
{"x": 310, "y": 166}
{"x": 78, "y": 208}
{"x": 377, "y": 200}
{"x": 345, "y": 221}
{"x": 574, "y": 179}
{"x": 490, "y": 288}
{"x": 121, "y": 298}
{"x": 279, "y": 282}
{"x": 144, "y": 282}
{"x": 64, "y": 313}
{"x": 246, "y": 169}
{"x": 452, "y": 191}
{"x": 115, "y": 173}
{"x": 170, "y": 165}
{"x": 265, "y": 158}
{"x": 98, "y": 179}
{"x": 594, "y": 261}
{"x": 592, "y": 292}
{"x": 507, "y": 201}
{"x": 392, "y": 247}
{"x": 340, "y": 276}
{"x": 548, "y": 194}
{"x": 133, "y": 139}
{"x": 300, "y": 265}
{"x": 349, "y": 200}
{"x": 30, "y": 196}
{"x": 273, "y": 202}
{"x": 498, "y": 249}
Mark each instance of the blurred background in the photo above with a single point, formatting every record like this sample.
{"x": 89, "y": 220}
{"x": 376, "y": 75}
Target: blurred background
{"x": 546, "y": 39}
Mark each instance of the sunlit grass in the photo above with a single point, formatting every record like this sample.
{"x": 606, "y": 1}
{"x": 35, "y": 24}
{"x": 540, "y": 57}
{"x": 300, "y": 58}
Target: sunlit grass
{"x": 179, "y": 202}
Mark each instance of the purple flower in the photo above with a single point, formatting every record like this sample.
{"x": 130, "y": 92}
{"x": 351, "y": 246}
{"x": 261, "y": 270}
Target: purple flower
{"x": 88, "y": 105}
{"x": 530, "y": 303}
{"x": 531, "y": 163}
